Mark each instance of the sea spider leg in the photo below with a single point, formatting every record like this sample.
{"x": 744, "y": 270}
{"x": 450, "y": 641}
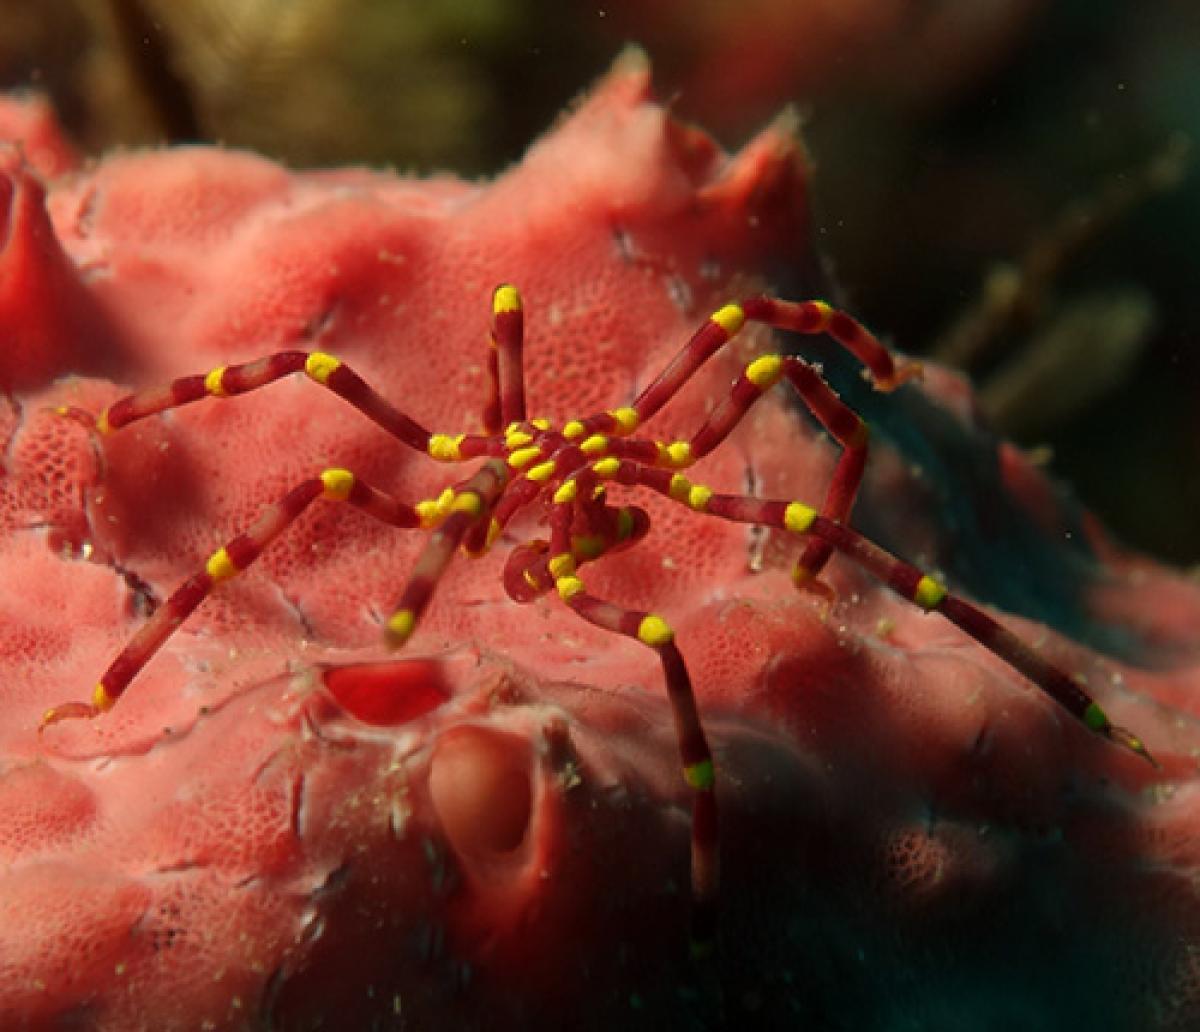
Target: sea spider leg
{"x": 903, "y": 578}
{"x": 470, "y": 506}
{"x": 504, "y": 402}
{"x": 806, "y": 317}
{"x": 335, "y": 484}
{"x": 695, "y": 755}
{"x": 841, "y": 422}
{"x": 230, "y": 381}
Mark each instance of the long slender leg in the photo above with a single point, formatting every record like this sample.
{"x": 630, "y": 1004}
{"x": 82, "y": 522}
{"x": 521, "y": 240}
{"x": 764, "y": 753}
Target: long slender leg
{"x": 470, "y": 506}
{"x": 229, "y": 381}
{"x": 842, "y": 423}
{"x": 806, "y": 317}
{"x": 694, "y": 752}
{"x": 905, "y": 579}
{"x": 508, "y": 331}
{"x": 339, "y": 485}
{"x": 504, "y": 402}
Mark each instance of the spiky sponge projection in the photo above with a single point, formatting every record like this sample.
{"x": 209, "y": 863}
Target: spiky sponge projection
{"x": 283, "y": 824}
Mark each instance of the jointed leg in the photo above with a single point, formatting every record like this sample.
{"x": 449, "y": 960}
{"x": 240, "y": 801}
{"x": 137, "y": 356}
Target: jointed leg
{"x": 903, "y": 578}
{"x": 654, "y": 632}
{"x": 229, "y": 381}
{"x": 469, "y": 507}
{"x": 842, "y": 423}
{"x": 338, "y": 485}
{"x": 807, "y": 317}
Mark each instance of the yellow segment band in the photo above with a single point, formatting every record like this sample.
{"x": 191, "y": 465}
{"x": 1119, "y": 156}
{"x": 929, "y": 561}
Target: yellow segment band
{"x": 626, "y": 419}
{"x": 606, "y": 468}
{"x": 765, "y": 372}
{"x": 515, "y": 438}
{"x": 219, "y": 566}
{"x": 798, "y": 517}
{"x": 212, "y": 382}
{"x": 655, "y": 631}
{"x": 680, "y": 487}
{"x": 101, "y": 699}
{"x": 401, "y": 625}
{"x": 506, "y": 299}
{"x": 524, "y": 456}
{"x": 699, "y": 496}
{"x": 468, "y": 502}
{"x": 542, "y": 472}
{"x": 573, "y": 429}
{"x": 929, "y": 593}
{"x": 103, "y": 426}
{"x": 445, "y": 447}
{"x": 730, "y": 318}
{"x": 337, "y": 483}
{"x": 561, "y": 565}
{"x": 825, "y": 312}
{"x": 676, "y": 455}
{"x": 566, "y": 493}
{"x": 542, "y": 423}
{"x": 597, "y": 444}
{"x": 320, "y": 366}
{"x": 568, "y": 587}
{"x": 700, "y": 776}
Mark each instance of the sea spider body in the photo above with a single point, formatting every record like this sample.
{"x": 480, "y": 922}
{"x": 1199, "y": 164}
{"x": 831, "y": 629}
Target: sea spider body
{"x": 521, "y": 460}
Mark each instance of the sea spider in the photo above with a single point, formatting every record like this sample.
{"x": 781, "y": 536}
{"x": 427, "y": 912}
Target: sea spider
{"x": 570, "y": 465}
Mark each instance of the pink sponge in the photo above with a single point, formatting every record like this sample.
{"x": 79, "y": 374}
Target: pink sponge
{"x": 283, "y": 825}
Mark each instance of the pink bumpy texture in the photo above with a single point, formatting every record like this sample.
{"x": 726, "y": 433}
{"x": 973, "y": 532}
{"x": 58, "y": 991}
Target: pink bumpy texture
{"x": 280, "y": 824}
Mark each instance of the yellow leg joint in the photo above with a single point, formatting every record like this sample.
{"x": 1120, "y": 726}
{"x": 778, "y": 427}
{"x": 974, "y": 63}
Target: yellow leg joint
{"x": 401, "y": 625}
{"x": 568, "y": 587}
{"x": 506, "y": 299}
{"x": 626, "y": 419}
{"x": 824, "y": 313}
{"x": 320, "y": 366}
{"x": 798, "y": 517}
{"x": 101, "y": 699}
{"x": 468, "y": 502}
{"x": 675, "y": 455}
{"x": 542, "y": 472}
{"x": 219, "y": 566}
{"x": 730, "y": 318}
{"x": 562, "y": 565}
{"x": 680, "y": 487}
{"x": 606, "y": 469}
{"x": 655, "y": 631}
{"x": 212, "y": 383}
{"x": 929, "y": 593}
{"x": 445, "y": 447}
{"x": 524, "y": 456}
{"x": 338, "y": 483}
{"x": 765, "y": 372}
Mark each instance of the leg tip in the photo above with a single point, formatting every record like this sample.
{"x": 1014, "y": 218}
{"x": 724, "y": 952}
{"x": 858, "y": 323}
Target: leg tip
{"x": 67, "y": 711}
